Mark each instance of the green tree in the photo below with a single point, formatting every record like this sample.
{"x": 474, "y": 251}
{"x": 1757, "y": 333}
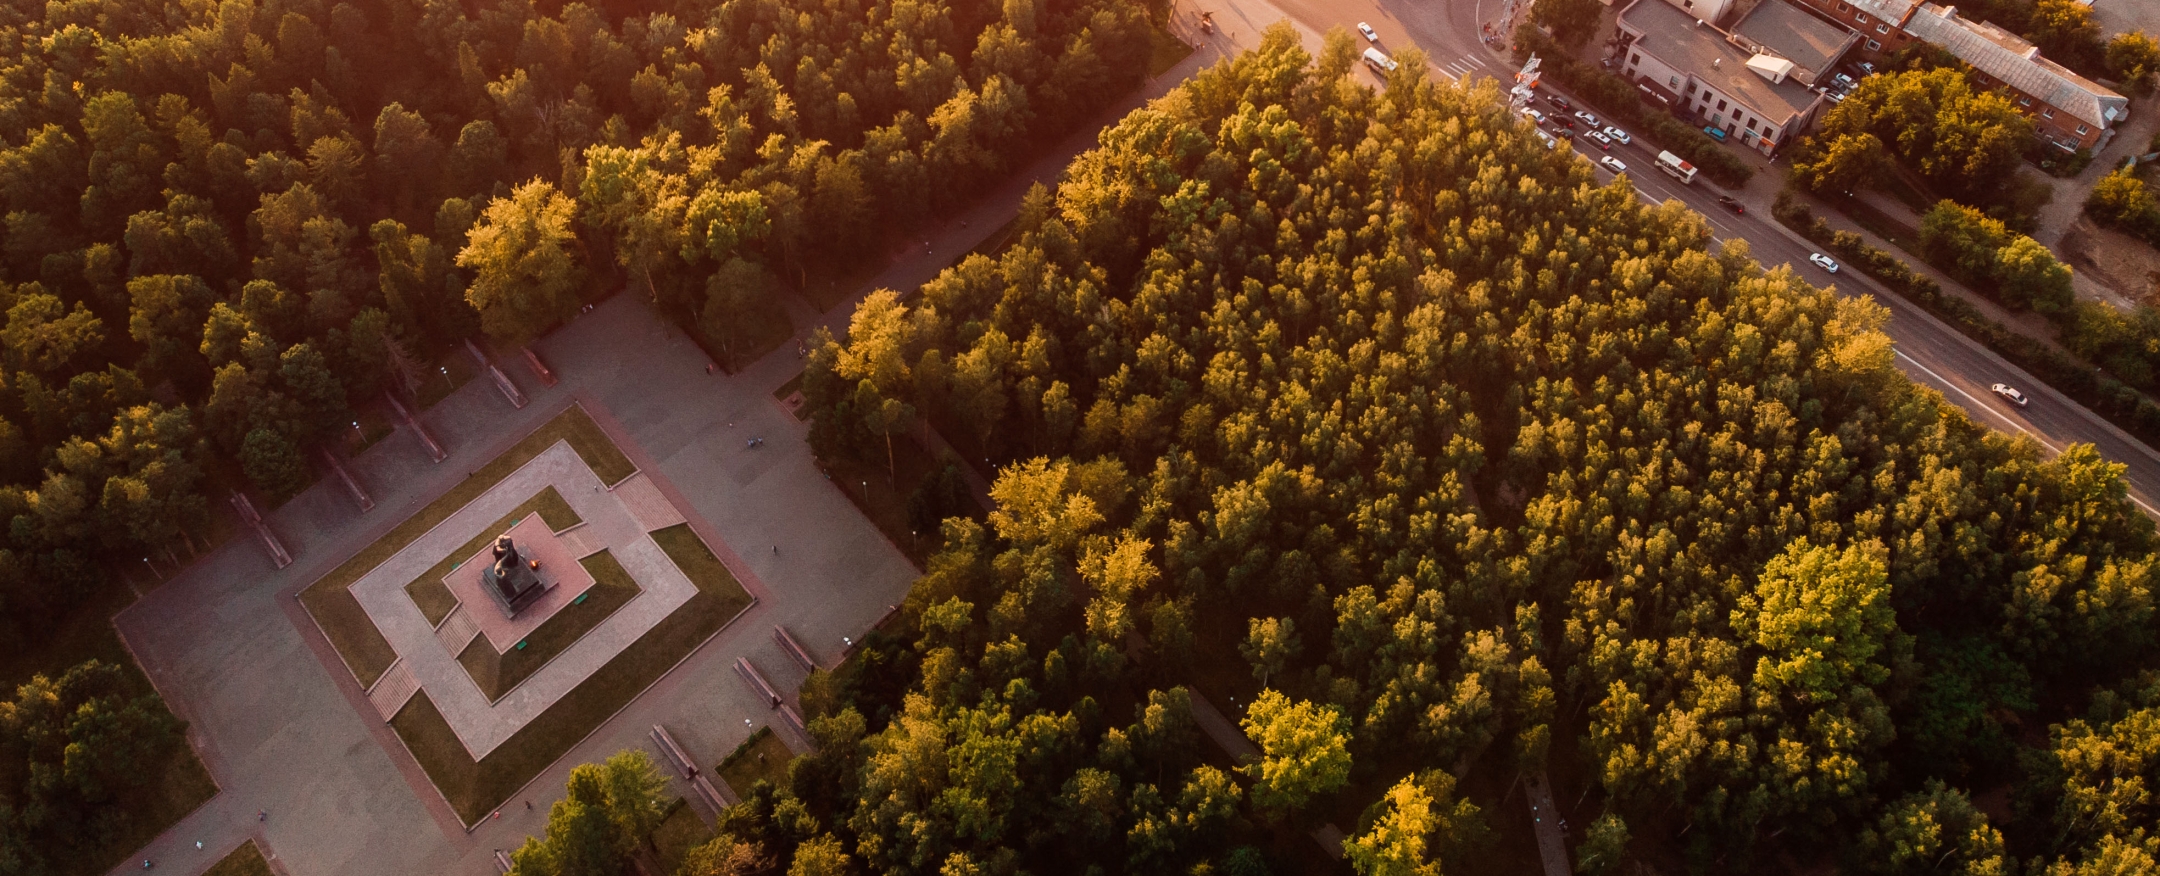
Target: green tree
{"x": 1304, "y": 751}
{"x": 2065, "y": 30}
{"x": 1936, "y": 830}
{"x": 1270, "y": 644}
{"x": 1849, "y": 163}
{"x": 42, "y": 335}
{"x": 2132, "y": 56}
{"x": 1414, "y": 824}
{"x": 526, "y": 275}
{"x": 165, "y": 315}
{"x": 271, "y": 461}
{"x": 1604, "y": 845}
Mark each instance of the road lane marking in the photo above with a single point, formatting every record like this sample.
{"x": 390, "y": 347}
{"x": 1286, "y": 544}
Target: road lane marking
{"x": 1990, "y": 408}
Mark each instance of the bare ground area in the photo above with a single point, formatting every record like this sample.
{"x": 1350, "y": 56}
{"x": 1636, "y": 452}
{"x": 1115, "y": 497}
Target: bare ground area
{"x": 2123, "y": 264}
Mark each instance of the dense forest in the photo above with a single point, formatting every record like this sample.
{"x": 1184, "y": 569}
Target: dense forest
{"x": 226, "y": 224}
{"x": 1436, "y": 463}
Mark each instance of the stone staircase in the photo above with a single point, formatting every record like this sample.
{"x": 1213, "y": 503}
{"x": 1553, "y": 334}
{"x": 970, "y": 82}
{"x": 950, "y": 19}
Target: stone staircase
{"x": 393, "y": 689}
{"x": 457, "y": 630}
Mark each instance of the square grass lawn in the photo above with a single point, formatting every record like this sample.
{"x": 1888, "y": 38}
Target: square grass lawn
{"x": 338, "y": 613}
{"x": 473, "y": 788}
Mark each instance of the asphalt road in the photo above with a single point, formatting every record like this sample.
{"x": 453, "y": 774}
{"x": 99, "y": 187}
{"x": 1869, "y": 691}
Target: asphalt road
{"x": 1930, "y": 351}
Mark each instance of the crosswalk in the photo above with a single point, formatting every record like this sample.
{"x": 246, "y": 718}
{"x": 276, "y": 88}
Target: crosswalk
{"x": 1462, "y": 67}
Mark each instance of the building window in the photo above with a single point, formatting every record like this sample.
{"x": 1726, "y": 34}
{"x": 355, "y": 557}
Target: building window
{"x": 2024, "y": 101}
{"x": 1721, "y": 105}
{"x": 1874, "y": 46}
{"x": 1882, "y": 28}
{"x": 1690, "y": 92}
{"x": 2047, "y": 112}
{"x": 1635, "y": 58}
{"x": 1860, "y": 17}
{"x": 2082, "y": 129}
{"x": 1843, "y": 8}
{"x": 1751, "y": 124}
{"x": 1674, "y": 82}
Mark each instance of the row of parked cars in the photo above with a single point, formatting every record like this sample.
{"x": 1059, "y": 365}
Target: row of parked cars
{"x": 1842, "y": 82}
{"x": 1562, "y": 121}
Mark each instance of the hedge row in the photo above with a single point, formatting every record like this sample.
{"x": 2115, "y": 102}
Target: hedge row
{"x": 2080, "y": 380}
{"x": 1619, "y": 99}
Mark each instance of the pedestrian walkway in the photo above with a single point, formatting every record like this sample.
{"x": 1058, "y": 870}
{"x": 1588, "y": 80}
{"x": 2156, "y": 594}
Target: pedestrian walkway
{"x": 1551, "y": 840}
{"x": 644, "y": 502}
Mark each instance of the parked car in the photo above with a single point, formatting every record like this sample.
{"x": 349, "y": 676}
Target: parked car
{"x": 1562, "y": 133}
{"x": 1822, "y": 261}
{"x": 1587, "y": 118}
{"x": 1618, "y": 134}
{"x": 1732, "y": 205}
{"x": 1602, "y": 142}
{"x": 1559, "y": 103}
{"x": 1715, "y": 132}
{"x": 1867, "y": 69}
{"x": 2015, "y": 397}
{"x": 1366, "y": 29}
{"x": 1535, "y": 117}
{"x": 1613, "y": 164}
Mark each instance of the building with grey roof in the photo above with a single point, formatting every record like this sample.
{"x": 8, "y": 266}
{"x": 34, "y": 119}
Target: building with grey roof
{"x": 1745, "y": 88}
{"x": 2068, "y": 110}
{"x": 1777, "y": 28}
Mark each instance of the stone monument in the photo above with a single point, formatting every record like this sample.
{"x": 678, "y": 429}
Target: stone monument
{"x": 513, "y": 580}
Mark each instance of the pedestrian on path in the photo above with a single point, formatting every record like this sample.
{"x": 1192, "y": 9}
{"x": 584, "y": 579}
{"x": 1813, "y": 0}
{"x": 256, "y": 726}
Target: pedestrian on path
{"x": 262, "y": 815}
{"x": 198, "y": 845}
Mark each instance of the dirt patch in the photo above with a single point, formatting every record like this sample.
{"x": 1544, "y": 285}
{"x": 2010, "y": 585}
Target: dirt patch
{"x": 2113, "y": 259}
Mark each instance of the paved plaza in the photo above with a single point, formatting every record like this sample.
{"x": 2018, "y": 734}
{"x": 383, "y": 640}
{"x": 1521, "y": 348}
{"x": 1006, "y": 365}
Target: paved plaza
{"x": 482, "y": 725}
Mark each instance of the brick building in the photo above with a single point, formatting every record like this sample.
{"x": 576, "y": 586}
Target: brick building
{"x": 2067, "y": 110}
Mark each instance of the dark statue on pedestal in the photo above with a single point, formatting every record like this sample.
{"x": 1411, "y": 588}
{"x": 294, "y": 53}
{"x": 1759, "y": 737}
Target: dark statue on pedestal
{"x": 512, "y": 580}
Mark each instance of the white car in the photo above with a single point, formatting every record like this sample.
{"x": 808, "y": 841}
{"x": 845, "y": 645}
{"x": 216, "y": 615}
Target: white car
{"x": 1613, "y": 164}
{"x": 1587, "y": 118}
{"x": 1366, "y": 29}
{"x": 1535, "y": 117}
{"x": 2015, "y": 397}
{"x": 1619, "y": 135}
{"x": 1822, "y": 261}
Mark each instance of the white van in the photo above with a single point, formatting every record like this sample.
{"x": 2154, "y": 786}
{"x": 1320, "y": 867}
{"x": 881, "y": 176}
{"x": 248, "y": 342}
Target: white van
{"x": 1379, "y": 61}
{"x": 1676, "y": 167}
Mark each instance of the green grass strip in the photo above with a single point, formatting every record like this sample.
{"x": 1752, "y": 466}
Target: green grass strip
{"x": 247, "y": 860}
